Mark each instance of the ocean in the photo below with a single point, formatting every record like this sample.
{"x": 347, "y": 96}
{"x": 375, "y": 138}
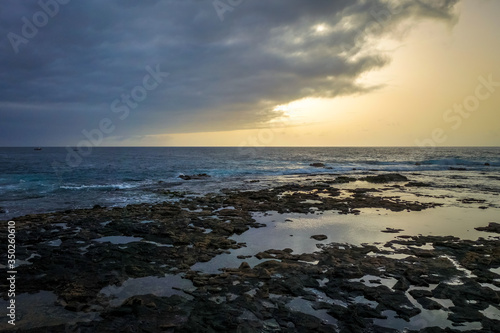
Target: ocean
{"x": 58, "y": 178}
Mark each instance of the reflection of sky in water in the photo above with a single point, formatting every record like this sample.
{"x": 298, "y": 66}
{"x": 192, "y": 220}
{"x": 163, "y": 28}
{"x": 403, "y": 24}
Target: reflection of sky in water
{"x": 294, "y": 230}
{"x": 118, "y": 239}
{"x": 159, "y": 286}
{"x": 358, "y": 229}
{"x": 36, "y": 310}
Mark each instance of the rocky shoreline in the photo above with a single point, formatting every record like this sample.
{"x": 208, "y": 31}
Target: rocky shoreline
{"x": 79, "y": 256}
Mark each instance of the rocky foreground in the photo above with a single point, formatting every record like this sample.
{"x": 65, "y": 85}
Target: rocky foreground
{"x": 76, "y": 254}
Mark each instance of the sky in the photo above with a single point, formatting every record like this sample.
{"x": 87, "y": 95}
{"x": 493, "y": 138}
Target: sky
{"x": 250, "y": 73}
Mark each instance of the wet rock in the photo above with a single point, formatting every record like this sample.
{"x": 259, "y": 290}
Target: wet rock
{"x": 343, "y": 180}
{"x": 471, "y": 200}
{"x": 319, "y": 237}
{"x": 244, "y": 265}
{"x": 194, "y": 177}
{"x": 223, "y": 302}
{"x": 243, "y": 257}
{"x": 264, "y": 255}
{"x": 402, "y": 284}
{"x": 457, "y": 169}
{"x": 418, "y": 184}
{"x": 391, "y": 230}
{"x": 429, "y": 304}
{"x": 390, "y": 177}
{"x": 419, "y": 293}
{"x": 492, "y": 227}
{"x": 317, "y": 165}
{"x": 464, "y": 314}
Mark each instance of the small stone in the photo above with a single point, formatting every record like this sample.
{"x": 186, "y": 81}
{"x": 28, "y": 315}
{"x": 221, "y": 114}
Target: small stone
{"x": 319, "y": 237}
{"x": 402, "y": 284}
{"x": 391, "y": 230}
{"x": 244, "y": 265}
{"x": 151, "y": 305}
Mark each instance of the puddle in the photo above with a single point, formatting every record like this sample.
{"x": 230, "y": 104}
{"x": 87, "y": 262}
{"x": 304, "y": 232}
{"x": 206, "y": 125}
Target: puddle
{"x": 230, "y": 260}
{"x": 301, "y": 305}
{"x": 27, "y": 261}
{"x": 117, "y": 239}
{"x": 395, "y": 256}
{"x": 55, "y": 243}
{"x": 322, "y": 297}
{"x": 363, "y": 300}
{"x": 311, "y": 202}
{"x": 38, "y": 310}
{"x": 365, "y": 228}
{"x": 491, "y": 286}
{"x": 159, "y": 286}
{"x": 446, "y": 303}
{"x": 491, "y": 312}
{"x": 378, "y": 281}
{"x": 468, "y": 274}
{"x": 158, "y": 244}
{"x": 427, "y": 318}
{"x": 495, "y": 270}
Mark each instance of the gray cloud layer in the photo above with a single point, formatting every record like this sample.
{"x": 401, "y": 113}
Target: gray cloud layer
{"x": 223, "y": 74}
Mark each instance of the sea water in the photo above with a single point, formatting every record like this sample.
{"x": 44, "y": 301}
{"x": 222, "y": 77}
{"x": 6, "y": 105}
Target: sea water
{"x": 58, "y": 178}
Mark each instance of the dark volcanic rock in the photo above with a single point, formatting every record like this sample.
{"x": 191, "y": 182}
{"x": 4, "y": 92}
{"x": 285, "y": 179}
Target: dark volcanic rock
{"x": 391, "y": 230}
{"x": 457, "y": 169}
{"x": 317, "y": 165}
{"x": 402, "y": 284}
{"x": 429, "y": 304}
{"x": 194, "y": 177}
{"x": 418, "y": 184}
{"x": 260, "y": 297}
{"x": 492, "y": 227}
{"x": 343, "y": 180}
{"x": 387, "y": 178}
{"x": 319, "y": 237}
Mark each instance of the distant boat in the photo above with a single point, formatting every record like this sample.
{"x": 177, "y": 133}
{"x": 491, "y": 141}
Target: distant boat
{"x": 38, "y": 148}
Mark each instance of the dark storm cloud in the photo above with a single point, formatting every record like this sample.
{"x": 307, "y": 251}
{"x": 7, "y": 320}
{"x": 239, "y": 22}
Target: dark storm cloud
{"x": 223, "y": 74}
